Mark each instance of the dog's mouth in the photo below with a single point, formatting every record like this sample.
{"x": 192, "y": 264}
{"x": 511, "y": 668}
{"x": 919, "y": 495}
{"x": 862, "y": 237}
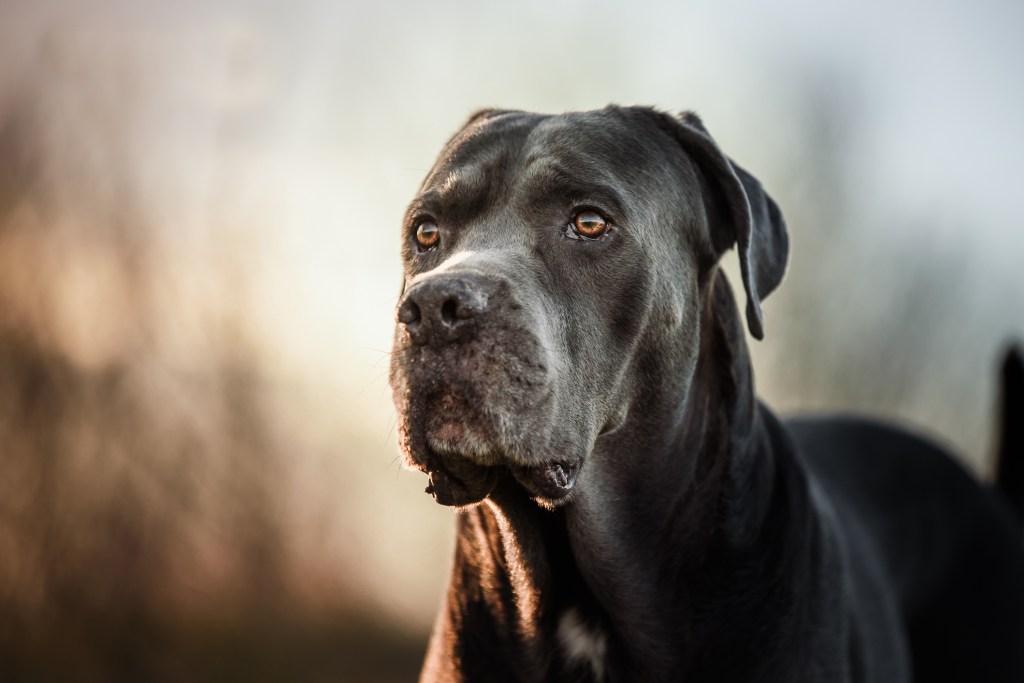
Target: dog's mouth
{"x": 468, "y": 441}
{"x": 552, "y": 481}
{"x": 465, "y": 460}
{"x": 457, "y": 481}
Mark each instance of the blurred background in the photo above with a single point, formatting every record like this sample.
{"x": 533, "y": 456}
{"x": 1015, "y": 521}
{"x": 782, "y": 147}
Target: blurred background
{"x": 199, "y": 213}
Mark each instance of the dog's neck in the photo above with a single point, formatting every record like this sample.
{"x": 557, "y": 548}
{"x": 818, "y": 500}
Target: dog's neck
{"x": 688, "y": 517}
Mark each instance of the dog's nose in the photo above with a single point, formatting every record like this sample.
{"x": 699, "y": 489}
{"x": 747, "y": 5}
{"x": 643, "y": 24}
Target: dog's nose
{"x": 444, "y": 309}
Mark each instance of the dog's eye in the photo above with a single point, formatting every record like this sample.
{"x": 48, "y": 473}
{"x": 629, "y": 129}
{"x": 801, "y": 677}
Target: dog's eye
{"x": 590, "y": 224}
{"x": 427, "y": 235}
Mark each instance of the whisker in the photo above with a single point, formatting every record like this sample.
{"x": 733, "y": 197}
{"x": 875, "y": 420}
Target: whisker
{"x": 391, "y": 431}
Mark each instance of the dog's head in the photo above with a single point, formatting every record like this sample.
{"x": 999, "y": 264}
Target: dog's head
{"x": 548, "y": 260}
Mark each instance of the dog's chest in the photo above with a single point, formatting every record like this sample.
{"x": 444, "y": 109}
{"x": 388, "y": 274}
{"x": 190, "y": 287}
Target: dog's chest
{"x": 582, "y": 643}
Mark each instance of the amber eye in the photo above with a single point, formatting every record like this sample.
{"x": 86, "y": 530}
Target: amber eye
{"x": 590, "y": 224}
{"x": 427, "y": 235}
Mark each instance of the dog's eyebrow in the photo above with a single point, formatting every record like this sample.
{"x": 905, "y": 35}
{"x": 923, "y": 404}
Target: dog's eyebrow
{"x": 556, "y": 183}
{"x": 462, "y": 193}
{"x": 465, "y": 192}
{"x": 426, "y": 203}
{"x": 462, "y": 180}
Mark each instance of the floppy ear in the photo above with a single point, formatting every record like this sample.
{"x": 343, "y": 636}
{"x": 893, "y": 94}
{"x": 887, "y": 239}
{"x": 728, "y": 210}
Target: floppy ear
{"x": 740, "y": 213}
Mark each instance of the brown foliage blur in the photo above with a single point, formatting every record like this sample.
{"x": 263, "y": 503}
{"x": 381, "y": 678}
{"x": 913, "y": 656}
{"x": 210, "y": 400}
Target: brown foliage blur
{"x": 142, "y": 532}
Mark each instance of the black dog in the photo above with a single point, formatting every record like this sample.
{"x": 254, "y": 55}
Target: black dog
{"x": 569, "y": 355}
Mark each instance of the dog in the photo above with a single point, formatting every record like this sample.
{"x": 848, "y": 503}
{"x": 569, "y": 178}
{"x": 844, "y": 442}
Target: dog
{"x": 570, "y": 370}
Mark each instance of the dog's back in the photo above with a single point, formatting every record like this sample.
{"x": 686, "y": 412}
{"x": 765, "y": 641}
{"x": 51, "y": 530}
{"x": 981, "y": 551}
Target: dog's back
{"x": 949, "y": 549}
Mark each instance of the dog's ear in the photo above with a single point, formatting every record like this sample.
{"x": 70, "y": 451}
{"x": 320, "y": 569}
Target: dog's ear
{"x": 740, "y": 213}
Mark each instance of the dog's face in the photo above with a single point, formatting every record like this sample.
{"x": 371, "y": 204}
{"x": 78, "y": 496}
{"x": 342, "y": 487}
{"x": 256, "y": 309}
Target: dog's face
{"x": 544, "y": 256}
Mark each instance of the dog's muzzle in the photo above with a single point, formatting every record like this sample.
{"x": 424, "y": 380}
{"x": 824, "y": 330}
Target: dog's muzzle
{"x": 474, "y": 390}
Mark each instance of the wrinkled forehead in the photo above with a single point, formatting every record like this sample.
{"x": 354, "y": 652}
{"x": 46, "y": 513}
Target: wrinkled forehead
{"x": 486, "y": 150}
{"x": 607, "y": 152}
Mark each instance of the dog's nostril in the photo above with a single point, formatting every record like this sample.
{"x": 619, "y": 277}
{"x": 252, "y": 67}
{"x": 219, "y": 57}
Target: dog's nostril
{"x": 448, "y": 311}
{"x": 409, "y": 313}
{"x": 439, "y": 310}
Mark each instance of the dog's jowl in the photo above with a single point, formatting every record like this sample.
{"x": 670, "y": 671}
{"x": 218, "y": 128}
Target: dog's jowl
{"x": 571, "y": 372}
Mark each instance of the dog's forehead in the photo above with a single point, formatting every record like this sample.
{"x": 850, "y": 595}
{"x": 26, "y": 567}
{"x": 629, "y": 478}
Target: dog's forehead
{"x": 493, "y": 157}
{"x": 483, "y": 149}
{"x": 604, "y": 137}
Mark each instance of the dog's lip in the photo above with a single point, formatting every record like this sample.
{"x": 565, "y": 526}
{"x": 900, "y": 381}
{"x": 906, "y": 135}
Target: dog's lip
{"x": 459, "y": 482}
{"x": 552, "y": 480}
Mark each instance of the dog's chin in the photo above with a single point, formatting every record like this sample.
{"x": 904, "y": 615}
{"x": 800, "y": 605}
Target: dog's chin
{"x": 465, "y": 462}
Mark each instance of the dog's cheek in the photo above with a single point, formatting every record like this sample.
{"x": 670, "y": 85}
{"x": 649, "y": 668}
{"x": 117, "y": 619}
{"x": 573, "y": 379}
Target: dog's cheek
{"x": 402, "y": 397}
{"x": 574, "y": 422}
{"x": 577, "y": 348}
{"x": 400, "y": 345}
{"x": 628, "y": 304}
{"x": 399, "y": 382}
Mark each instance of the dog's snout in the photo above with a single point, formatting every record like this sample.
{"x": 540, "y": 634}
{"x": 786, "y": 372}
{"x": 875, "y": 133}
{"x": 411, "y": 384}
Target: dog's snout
{"x": 444, "y": 309}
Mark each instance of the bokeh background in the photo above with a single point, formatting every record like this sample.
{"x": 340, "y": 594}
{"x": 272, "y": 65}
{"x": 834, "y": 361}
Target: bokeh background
{"x": 199, "y": 209}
